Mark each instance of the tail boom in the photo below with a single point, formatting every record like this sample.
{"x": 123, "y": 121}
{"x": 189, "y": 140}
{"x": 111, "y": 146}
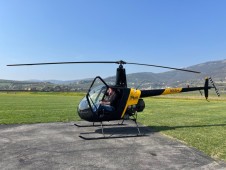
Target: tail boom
{"x": 158, "y": 92}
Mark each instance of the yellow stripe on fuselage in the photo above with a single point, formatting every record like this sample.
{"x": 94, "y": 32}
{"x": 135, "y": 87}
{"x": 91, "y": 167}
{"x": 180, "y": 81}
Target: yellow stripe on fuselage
{"x": 132, "y": 100}
{"x": 172, "y": 90}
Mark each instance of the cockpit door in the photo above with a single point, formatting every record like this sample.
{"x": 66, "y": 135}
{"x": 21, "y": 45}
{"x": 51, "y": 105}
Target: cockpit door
{"x": 96, "y": 93}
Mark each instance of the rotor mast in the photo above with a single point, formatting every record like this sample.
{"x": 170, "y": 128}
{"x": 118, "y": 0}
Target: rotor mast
{"x": 121, "y": 76}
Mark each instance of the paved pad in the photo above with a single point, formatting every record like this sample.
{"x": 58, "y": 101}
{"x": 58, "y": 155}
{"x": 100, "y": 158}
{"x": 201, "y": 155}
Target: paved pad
{"x": 58, "y": 146}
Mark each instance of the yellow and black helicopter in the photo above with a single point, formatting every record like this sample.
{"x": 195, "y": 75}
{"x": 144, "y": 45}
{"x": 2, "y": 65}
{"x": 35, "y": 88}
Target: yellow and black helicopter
{"x": 129, "y": 101}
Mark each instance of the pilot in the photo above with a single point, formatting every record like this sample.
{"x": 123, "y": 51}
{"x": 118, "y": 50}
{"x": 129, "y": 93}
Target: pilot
{"x": 108, "y": 103}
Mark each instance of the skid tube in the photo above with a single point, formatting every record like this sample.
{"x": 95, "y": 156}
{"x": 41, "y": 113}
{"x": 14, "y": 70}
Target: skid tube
{"x": 112, "y": 137}
{"x": 97, "y": 125}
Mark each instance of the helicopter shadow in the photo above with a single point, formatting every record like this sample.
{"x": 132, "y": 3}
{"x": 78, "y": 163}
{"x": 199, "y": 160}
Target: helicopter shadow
{"x": 164, "y": 128}
{"x": 148, "y": 129}
{"x": 125, "y": 130}
{"x": 132, "y": 131}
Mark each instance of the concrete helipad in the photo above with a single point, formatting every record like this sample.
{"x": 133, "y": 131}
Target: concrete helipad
{"x": 58, "y": 146}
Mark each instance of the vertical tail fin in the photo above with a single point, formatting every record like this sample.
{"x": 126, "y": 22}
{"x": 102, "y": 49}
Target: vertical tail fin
{"x": 206, "y": 88}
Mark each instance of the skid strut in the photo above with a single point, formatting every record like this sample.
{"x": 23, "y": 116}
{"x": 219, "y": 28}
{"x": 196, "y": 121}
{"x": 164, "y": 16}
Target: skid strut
{"x": 112, "y": 136}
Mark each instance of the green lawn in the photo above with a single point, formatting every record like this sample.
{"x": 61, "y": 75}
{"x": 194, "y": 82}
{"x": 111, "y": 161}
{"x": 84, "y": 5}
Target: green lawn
{"x": 198, "y": 123}
{"x": 38, "y": 107}
{"x": 191, "y": 119}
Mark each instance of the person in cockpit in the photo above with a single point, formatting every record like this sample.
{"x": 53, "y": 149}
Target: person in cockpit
{"x": 108, "y": 103}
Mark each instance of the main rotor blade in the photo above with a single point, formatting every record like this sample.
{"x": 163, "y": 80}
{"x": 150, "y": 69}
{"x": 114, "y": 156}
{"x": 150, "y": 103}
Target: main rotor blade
{"x": 172, "y": 68}
{"x": 103, "y": 62}
{"x": 80, "y": 62}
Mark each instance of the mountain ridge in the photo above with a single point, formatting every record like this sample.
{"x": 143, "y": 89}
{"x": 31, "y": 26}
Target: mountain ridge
{"x": 214, "y": 69}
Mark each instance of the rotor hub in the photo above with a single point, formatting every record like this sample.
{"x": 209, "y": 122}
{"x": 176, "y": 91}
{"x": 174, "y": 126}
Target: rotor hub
{"x": 121, "y": 62}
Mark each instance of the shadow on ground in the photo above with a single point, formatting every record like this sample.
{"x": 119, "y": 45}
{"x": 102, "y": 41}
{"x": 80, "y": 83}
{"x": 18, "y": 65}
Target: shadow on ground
{"x": 164, "y": 128}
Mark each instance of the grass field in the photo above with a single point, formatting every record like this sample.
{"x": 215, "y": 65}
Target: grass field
{"x": 38, "y": 107}
{"x": 190, "y": 119}
{"x": 196, "y": 122}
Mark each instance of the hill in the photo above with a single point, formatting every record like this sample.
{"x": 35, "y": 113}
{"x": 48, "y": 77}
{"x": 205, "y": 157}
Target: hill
{"x": 214, "y": 69}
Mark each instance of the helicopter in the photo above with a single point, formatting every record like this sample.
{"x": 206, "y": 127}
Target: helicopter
{"x": 129, "y": 101}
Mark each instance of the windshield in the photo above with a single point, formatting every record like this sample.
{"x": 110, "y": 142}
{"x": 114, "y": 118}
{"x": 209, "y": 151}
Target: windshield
{"x": 96, "y": 93}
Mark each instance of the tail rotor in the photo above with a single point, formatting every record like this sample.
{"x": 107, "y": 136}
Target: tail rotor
{"x": 216, "y": 90}
{"x": 207, "y": 87}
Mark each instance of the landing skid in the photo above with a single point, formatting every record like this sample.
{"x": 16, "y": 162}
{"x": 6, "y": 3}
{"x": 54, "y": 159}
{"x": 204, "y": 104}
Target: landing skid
{"x": 97, "y": 125}
{"x": 112, "y": 137}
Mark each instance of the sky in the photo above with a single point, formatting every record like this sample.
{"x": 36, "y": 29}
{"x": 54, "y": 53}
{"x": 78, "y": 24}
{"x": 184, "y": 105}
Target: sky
{"x": 174, "y": 33}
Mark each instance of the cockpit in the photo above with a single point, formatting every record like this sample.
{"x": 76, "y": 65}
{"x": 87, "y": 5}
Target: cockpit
{"x": 89, "y": 105}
